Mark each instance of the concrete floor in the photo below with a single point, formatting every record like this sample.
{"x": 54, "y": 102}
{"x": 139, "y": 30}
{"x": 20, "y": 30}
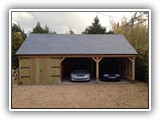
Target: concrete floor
{"x": 93, "y": 81}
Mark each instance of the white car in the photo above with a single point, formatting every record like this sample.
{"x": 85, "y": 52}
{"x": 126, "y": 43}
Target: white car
{"x": 80, "y": 75}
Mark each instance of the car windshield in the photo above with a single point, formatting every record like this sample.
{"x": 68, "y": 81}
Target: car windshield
{"x": 79, "y": 71}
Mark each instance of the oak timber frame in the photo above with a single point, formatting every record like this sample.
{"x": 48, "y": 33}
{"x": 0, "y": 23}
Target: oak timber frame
{"x": 127, "y": 63}
{"x": 97, "y": 60}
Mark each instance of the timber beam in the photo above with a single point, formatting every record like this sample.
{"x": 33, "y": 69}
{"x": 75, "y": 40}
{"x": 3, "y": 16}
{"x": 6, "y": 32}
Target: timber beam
{"x": 97, "y": 60}
{"x": 61, "y": 59}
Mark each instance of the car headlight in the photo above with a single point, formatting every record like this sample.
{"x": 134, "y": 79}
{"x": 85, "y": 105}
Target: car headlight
{"x": 117, "y": 75}
{"x": 105, "y": 75}
{"x": 87, "y": 75}
{"x": 72, "y": 75}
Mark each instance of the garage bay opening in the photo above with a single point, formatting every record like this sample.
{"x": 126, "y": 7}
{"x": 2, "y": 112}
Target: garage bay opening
{"x": 78, "y": 65}
{"x": 109, "y": 69}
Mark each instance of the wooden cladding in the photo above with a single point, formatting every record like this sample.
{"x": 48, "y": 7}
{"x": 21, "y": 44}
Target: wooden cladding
{"x": 24, "y": 58}
{"x": 128, "y": 68}
{"x": 54, "y": 75}
{"x": 54, "y": 58}
{"x": 55, "y": 67}
{"x": 39, "y": 71}
{"x": 25, "y": 76}
{"x": 24, "y": 67}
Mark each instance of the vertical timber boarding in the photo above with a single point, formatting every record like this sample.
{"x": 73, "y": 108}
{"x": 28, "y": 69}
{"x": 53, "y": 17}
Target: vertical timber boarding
{"x": 24, "y": 71}
{"x": 55, "y": 73}
{"x": 128, "y": 68}
{"x": 39, "y": 70}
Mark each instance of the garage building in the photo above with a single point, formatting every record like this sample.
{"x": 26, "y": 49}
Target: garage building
{"x": 49, "y": 58}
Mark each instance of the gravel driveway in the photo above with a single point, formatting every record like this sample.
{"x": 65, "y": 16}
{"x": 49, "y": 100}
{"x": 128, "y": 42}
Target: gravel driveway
{"x": 130, "y": 95}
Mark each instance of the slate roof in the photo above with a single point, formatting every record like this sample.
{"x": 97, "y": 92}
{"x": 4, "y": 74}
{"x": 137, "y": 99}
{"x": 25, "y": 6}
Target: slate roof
{"x": 75, "y": 44}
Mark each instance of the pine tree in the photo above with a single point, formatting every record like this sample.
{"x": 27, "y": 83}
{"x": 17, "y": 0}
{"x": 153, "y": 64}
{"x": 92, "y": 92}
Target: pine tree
{"x": 95, "y": 28}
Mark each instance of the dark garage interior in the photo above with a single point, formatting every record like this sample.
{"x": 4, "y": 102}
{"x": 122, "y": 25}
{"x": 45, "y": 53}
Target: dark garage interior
{"x": 109, "y": 65}
{"x": 106, "y": 65}
{"x": 70, "y": 64}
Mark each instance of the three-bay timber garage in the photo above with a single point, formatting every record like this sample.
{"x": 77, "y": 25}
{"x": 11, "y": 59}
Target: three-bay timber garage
{"x": 49, "y": 58}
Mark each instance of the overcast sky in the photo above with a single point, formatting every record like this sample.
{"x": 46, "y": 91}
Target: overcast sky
{"x": 60, "y": 22}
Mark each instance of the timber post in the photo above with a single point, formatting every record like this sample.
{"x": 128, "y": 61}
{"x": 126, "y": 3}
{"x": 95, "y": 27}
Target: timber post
{"x": 97, "y": 60}
{"x": 133, "y": 67}
{"x": 60, "y": 65}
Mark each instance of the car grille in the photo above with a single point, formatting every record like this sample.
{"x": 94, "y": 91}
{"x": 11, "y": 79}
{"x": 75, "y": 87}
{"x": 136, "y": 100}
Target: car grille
{"x": 112, "y": 75}
{"x": 80, "y": 75}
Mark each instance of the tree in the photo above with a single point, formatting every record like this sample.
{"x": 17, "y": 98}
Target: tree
{"x": 136, "y": 31}
{"x": 17, "y": 40}
{"x": 46, "y": 29}
{"x": 71, "y": 31}
{"x": 18, "y": 36}
{"x": 39, "y": 29}
{"x": 17, "y": 28}
{"x": 95, "y": 28}
{"x": 110, "y": 32}
{"x": 53, "y": 32}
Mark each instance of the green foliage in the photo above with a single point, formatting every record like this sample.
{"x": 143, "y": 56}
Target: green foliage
{"x": 17, "y": 28}
{"x": 142, "y": 67}
{"x": 71, "y": 31}
{"x": 39, "y": 29}
{"x": 18, "y": 36}
{"x": 136, "y": 33}
{"x": 110, "y": 32}
{"x": 17, "y": 40}
{"x": 95, "y": 28}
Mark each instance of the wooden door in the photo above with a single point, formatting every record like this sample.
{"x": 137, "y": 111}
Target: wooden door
{"x": 55, "y": 70}
{"x": 46, "y": 70}
{"x": 39, "y": 71}
{"x": 25, "y": 74}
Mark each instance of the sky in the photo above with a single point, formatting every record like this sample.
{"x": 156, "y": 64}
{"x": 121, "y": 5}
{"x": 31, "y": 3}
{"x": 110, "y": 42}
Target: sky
{"x": 61, "y": 22}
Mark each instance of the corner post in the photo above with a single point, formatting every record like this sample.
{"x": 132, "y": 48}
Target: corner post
{"x": 60, "y": 67}
{"x": 133, "y": 68}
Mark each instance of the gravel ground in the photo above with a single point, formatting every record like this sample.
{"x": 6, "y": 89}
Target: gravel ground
{"x": 130, "y": 95}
